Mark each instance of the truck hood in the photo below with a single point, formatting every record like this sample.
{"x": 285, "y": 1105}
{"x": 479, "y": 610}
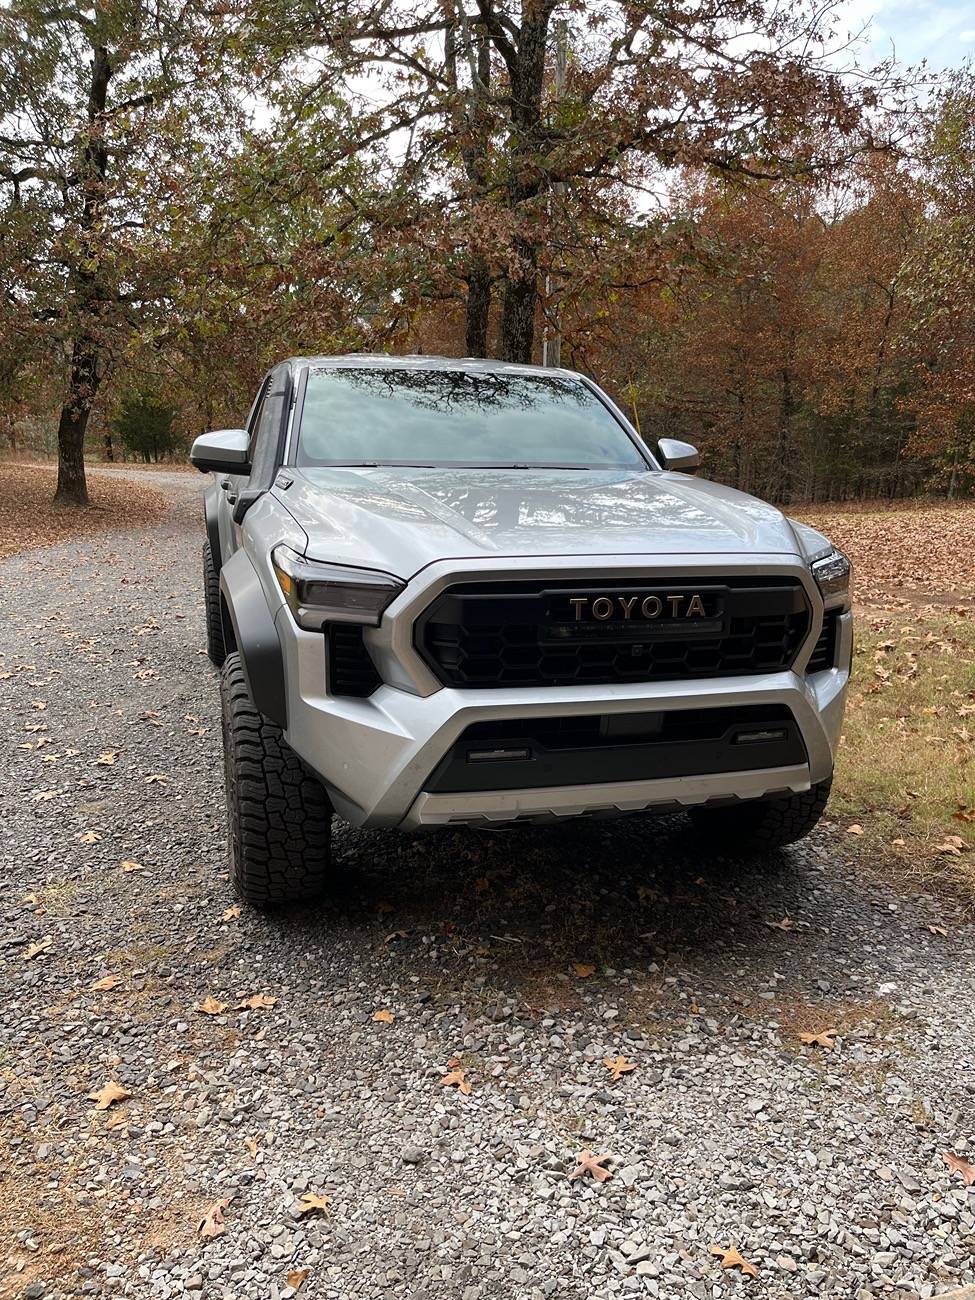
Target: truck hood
{"x": 400, "y": 520}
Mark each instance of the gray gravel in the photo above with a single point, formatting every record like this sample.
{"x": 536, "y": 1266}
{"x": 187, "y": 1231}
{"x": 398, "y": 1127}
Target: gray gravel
{"x": 824, "y": 1168}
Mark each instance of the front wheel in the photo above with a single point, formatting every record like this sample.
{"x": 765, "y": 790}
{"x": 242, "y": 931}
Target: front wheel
{"x": 763, "y": 823}
{"x": 279, "y": 816}
{"x": 216, "y": 651}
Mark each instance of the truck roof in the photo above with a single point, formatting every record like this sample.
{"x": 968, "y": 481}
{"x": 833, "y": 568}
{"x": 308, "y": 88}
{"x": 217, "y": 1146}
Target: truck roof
{"x": 422, "y": 361}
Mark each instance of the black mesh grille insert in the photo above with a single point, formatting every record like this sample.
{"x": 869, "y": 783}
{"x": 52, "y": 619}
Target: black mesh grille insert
{"x": 350, "y": 668}
{"x": 824, "y": 654}
{"x": 528, "y": 634}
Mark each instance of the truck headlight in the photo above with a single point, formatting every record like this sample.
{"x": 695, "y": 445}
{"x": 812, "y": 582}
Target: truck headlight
{"x": 331, "y": 593}
{"x": 832, "y": 574}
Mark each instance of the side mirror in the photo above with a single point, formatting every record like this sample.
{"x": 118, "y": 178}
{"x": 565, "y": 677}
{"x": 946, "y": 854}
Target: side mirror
{"x": 678, "y": 455}
{"x": 224, "y": 451}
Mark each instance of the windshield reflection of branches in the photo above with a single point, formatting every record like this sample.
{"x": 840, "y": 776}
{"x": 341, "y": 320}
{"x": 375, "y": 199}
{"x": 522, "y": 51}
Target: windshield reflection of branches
{"x": 446, "y": 391}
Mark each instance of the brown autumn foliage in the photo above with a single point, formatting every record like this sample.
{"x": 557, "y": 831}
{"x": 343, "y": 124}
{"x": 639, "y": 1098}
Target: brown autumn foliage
{"x": 741, "y": 253}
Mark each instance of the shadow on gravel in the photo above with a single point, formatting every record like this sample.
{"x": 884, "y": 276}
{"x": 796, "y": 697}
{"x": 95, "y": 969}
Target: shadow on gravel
{"x": 532, "y": 904}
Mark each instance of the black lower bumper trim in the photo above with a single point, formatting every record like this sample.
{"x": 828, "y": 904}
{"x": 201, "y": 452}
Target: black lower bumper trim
{"x": 528, "y": 753}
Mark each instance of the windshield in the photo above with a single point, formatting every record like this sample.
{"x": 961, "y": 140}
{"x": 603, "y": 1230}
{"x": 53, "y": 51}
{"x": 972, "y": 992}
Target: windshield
{"x": 372, "y": 416}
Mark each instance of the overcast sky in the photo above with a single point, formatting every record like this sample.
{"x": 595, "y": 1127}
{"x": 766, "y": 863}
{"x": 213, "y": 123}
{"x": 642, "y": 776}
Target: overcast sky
{"x": 941, "y": 31}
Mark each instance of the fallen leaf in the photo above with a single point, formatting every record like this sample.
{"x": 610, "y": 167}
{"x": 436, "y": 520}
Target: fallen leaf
{"x": 106, "y": 982}
{"x": 958, "y": 1165}
{"x": 311, "y": 1203}
{"x": 953, "y": 844}
{"x": 257, "y": 1002}
{"x": 155, "y": 778}
{"x": 129, "y": 866}
{"x": 42, "y": 796}
{"x": 855, "y": 829}
{"x": 88, "y": 837}
{"x": 786, "y": 924}
{"x": 384, "y": 1017}
{"x": 211, "y": 1007}
{"x": 252, "y": 1145}
{"x": 824, "y": 1038}
{"x": 592, "y": 1165}
{"x": 107, "y": 759}
{"x": 455, "y": 1079}
{"x": 618, "y": 1066}
{"x": 109, "y": 1095}
{"x": 35, "y": 949}
{"x": 212, "y": 1224}
{"x": 937, "y": 929}
{"x": 383, "y": 907}
{"x": 730, "y": 1258}
{"x": 295, "y": 1278}
{"x": 232, "y": 913}
{"x": 582, "y": 970}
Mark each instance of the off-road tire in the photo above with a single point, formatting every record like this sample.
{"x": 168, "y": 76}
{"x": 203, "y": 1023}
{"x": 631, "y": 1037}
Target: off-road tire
{"x": 279, "y": 815}
{"x": 763, "y": 823}
{"x": 216, "y": 651}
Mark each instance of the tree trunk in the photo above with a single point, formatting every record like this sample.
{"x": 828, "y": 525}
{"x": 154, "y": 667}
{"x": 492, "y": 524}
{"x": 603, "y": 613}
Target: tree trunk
{"x": 109, "y": 447}
{"x": 518, "y": 311}
{"x": 476, "y": 151}
{"x": 527, "y": 179}
{"x": 72, "y": 488}
{"x": 478, "y": 306}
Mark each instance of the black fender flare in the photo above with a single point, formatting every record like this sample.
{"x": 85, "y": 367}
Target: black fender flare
{"x": 255, "y": 636}
{"x": 213, "y": 528}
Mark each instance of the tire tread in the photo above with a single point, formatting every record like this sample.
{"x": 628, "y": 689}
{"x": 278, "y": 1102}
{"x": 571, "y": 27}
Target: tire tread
{"x": 279, "y": 815}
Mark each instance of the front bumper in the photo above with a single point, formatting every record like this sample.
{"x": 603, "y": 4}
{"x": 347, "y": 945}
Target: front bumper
{"x": 377, "y": 755}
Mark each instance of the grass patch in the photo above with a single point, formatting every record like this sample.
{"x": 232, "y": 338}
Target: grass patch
{"x": 906, "y": 766}
{"x": 907, "y": 758}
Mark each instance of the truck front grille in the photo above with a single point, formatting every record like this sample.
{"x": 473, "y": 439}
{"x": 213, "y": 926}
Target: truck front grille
{"x": 480, "y": 635}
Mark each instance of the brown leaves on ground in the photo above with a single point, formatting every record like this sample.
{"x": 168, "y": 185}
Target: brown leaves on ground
{"x": 618, "y": 1066}
{"x": 30, "y": 518}
{"x": 105, "y": 983}
{"x": 128, "y": 866}
{"x": 383, "y": 1017}
{"x": 35, "y": 949}
{"x": 257, "y": 1002}
{"x": 583, "y": 969}
{"x": 109, "y": 1095}
{"x": 295, "y": 1278}
{"x": 953, "y": 844}
{"x": 312, "y": 1203}
{"x": 455, "y": 1077}
{"x": 232, "y": 913}
{"x": 959, "y": 1165}
{"x": 211, "y": 1006}
{"x": 213, "y": 1223}
{"x": 593, "y": 1166}
{"x": 910, "y": 547}
{"x": 825, "y": 1038}
{"x": 730, "y": 1258}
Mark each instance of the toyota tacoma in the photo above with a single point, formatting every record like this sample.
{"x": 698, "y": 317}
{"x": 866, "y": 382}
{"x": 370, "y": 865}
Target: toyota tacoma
{"x": 466, "y": 593}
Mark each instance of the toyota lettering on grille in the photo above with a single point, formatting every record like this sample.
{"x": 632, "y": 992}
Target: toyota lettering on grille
{"x": 602, "y": 608}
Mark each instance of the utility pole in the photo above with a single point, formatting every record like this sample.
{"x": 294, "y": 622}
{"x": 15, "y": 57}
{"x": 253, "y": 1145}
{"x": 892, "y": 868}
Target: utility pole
{"x": 552, "y": 337}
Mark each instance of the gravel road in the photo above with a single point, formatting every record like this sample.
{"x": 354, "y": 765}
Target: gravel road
{"x": 528, "y": 957}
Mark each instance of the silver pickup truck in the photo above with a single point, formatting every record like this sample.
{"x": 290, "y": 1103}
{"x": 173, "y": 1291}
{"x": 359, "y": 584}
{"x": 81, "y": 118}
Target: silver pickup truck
{"x": 446, "y": 593}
